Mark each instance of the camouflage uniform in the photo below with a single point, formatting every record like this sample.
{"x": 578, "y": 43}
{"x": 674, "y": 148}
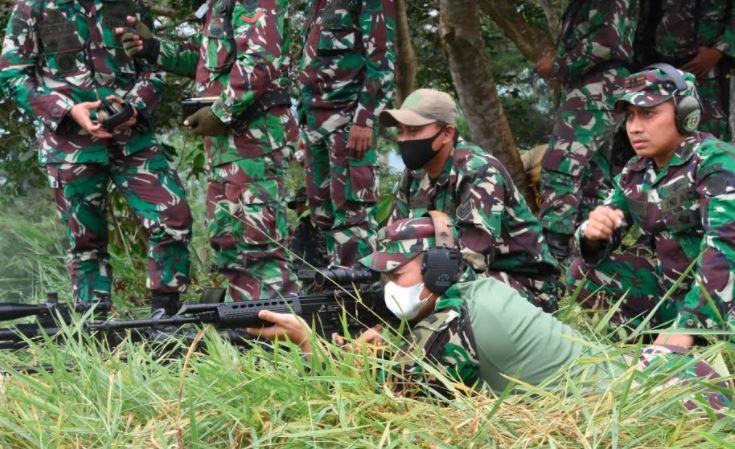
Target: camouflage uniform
{"x": 684, "y": 211}
{"x": 60, "y": 53}
{"x": 478, "y": 342}
{"x": 592, "y": 59}
{"x": 239, "y": 58}
{"x": 498, "y": 234}
{"x": 346, "y": 79}
{"x": 684, "y": 27}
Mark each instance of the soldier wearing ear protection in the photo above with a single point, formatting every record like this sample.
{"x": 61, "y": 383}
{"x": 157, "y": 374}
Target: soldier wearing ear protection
{"x": 470, "y": 328}
{"x": 498, "y": 234}
{"x": 684, "y": 209}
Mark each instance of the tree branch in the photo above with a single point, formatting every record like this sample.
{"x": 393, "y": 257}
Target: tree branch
{"x": 531, "y": 41}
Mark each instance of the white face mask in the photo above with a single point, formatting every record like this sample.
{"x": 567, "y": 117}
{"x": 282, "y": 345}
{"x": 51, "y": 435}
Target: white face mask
{"x": 404, "y": 302}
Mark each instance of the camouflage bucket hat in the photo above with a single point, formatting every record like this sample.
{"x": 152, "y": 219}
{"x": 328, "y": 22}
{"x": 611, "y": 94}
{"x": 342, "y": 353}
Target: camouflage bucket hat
{"x": 400, "y": 242}
{"x": 653, "y": 87}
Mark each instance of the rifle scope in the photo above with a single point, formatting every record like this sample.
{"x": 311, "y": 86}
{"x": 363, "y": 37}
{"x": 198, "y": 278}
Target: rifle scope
{"x": 344, "y": 276}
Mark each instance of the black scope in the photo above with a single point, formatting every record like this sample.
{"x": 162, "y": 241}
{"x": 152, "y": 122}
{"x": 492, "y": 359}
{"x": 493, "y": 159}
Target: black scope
{"x": 345, "y": 276}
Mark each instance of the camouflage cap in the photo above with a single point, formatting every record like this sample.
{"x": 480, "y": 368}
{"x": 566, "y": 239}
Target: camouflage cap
{"x": 400, "y": 242}
{"x": 653, "y": 87}
{"x": 422, "y": 107}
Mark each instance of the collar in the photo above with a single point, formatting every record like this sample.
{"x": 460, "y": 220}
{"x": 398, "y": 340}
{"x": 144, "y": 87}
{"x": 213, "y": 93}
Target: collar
{"x": 450, "y": 299}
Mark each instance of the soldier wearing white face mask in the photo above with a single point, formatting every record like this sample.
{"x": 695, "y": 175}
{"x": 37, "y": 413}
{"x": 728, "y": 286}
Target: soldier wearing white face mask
{"x": 481, "y": 331}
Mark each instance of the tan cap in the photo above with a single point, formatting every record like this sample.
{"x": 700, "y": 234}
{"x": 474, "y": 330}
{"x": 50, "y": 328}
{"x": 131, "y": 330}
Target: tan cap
{"x": 422, "y": 107}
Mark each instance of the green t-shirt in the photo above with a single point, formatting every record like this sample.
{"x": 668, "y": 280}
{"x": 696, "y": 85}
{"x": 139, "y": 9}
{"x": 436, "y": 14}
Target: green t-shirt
{"x": 485, "y": 329}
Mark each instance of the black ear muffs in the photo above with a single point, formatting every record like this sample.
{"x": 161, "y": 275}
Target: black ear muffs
{"x": 441, "y": 264}
{"x": 688, "y": 107}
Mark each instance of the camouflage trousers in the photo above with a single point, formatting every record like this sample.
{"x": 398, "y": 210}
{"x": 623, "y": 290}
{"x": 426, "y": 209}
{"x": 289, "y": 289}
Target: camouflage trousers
{"x": 673, "y": 367}
{"x": 632, "y": 274}
{"x": 154, "y": 193}
{"x": 247, "y": 227}
{"x": 714, "y": 120}
{"x": 542, "y": 293}
{"x": 342, "y": 194}
{"x": 576, "y": 170}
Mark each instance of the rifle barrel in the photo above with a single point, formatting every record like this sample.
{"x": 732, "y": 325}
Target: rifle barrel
{"x": 15, "y": 310}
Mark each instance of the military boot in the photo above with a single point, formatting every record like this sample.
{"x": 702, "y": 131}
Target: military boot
{"x": 164, "y": 304}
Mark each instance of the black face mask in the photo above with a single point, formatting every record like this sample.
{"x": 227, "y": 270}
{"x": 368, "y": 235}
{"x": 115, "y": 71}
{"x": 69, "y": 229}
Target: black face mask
{"x": 417, "y": 153}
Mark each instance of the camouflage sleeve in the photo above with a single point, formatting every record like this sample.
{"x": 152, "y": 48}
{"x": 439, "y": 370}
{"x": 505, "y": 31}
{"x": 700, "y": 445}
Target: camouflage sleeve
{"x": 725, "y": 43}
{"x": 377, "y": 22}
{"x": 18, "y": 74}
{"x": 615, "y": 200}
{"x": 606, "y": 35}
{"x": 710, "y": 302}
{"x": 146, "y": 93}
{"x": 181, "y": 57}
{"x": 260, "y": 38}
{"x": 483, "y": 195}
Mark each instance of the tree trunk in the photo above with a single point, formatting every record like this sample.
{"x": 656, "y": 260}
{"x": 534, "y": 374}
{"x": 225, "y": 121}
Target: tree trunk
{"x": 552, "y": 18}
{"x": 469, "y": 64}
{"x": 531, "y": 41}
{"x": 405, "y": 56}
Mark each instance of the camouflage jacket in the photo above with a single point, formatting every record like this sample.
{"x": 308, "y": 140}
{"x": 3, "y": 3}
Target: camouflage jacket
{"x": 347, "y": 62}
{"x": 484, "y": 331}
{"x": 686, "y": 25}
{"x": 686, "y": 211}
{"x": 594, "y": 32}
{"x": 497, "y": 230}
{"x": 55, "y": 56}
{"x": 238, "y": 56}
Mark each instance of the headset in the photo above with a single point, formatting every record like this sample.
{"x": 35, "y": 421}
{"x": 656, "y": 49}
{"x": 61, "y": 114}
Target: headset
{"x": 441, "y": 264}
{"x": 688, "y": 107}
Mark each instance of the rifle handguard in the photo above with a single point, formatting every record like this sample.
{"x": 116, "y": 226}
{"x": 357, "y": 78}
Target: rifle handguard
{"x": 246, "y": 312}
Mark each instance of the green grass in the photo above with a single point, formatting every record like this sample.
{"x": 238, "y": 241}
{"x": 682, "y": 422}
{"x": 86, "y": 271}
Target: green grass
{"x": 92, "y": 397}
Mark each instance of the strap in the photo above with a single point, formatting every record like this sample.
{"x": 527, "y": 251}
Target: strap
{"x": 442, "y": 232}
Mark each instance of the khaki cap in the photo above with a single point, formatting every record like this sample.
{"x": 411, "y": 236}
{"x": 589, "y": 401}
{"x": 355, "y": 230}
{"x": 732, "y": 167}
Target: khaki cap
{"x": 422, "y": 107}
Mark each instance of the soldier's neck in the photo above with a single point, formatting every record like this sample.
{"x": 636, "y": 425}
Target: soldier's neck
{"x": 435, "y": 166}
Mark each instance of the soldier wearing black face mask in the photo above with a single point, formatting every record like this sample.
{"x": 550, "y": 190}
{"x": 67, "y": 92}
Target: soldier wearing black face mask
{"x": 498, "y": 234}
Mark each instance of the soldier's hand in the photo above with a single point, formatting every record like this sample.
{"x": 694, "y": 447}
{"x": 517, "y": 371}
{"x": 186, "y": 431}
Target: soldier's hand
{"x": 681, "y": 340}
{"x": 81, "y": 113}
{"x": 371, "y": 336}
{"x": 545, "y": 65}
{"x": 701, "y": 64}
{"x": 123, "y": 126}
{"x": 359, "y": 141}
{"x": 602, "y": 223}
{"x": 138, "y": 40}
{"x": 285, "y": 326}
{"x": 204, "y": 123}
{"x": 300, "y": 154}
